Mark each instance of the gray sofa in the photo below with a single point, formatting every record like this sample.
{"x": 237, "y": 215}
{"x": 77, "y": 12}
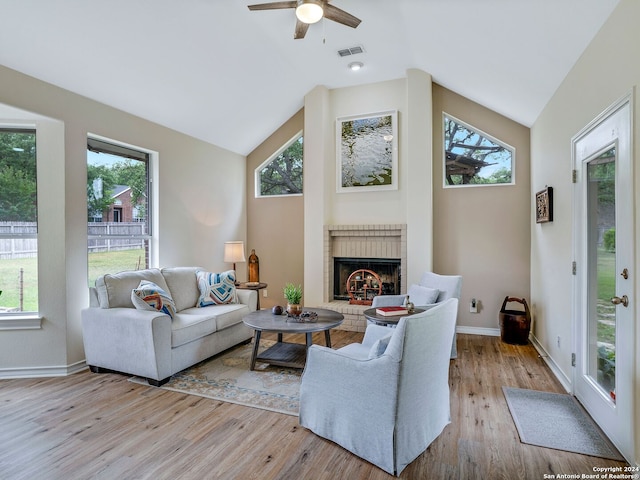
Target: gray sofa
{"x": 150, "y": 344}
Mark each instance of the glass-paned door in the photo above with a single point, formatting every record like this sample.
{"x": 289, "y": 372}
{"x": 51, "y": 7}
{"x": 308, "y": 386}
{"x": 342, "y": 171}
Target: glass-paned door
{"x": 601, "y": 313}
{"x": 603, "y": 296}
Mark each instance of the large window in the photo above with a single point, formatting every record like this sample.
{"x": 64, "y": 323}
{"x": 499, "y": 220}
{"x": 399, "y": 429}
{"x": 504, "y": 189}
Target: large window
{"x": 281, "y": 174}
{"x": 18, "y": 222}
{"x": 472, "y": 157}
{"x": 118, "y": 208}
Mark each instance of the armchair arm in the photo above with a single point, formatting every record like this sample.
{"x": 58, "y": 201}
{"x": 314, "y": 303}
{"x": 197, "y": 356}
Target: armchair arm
{"x": 128, "y": 340}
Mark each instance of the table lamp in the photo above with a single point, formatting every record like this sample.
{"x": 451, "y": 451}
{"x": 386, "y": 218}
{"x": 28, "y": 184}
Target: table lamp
{"x": 234, "y": 252}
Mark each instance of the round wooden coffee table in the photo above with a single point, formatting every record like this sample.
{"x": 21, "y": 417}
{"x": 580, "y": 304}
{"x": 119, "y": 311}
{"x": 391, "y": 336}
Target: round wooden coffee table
{"x": 284, "y": 353}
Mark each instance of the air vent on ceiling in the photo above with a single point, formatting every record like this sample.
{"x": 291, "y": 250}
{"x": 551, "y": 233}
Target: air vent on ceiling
{"x": 345, "y": 52}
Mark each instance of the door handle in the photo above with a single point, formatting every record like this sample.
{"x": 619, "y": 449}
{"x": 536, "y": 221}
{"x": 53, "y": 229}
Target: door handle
{"x": 624, "y": 301}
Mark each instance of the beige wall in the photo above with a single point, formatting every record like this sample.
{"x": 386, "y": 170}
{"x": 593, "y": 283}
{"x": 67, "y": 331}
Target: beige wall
{"x": 482, "y": 233}
{"x": 608, "y": 70}
{"x": 477, "y": 231}
{"x": 201, "y": 204}
{"x": 274, "y": 224}
{"x": 410, "y": 204}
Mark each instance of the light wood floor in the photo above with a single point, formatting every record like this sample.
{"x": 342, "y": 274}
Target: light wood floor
{"x": 101, "y": 426}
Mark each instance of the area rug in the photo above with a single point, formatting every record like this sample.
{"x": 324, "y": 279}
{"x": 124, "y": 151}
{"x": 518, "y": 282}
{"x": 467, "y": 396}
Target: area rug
{"x": 558, "y": 421}
{"x": 226, "y": 377}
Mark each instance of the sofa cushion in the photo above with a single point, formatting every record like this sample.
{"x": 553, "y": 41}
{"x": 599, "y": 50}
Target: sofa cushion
{"x": 149, "y": 296}
{"x": 183, "y": 285}
{"x": 193, "y": 323}
{"x": 114, "y": 290}
{"x": 216, "y": 288}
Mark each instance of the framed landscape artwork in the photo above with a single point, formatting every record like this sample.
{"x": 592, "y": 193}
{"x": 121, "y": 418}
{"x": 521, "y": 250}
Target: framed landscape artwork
{"x": 367, "y": 152}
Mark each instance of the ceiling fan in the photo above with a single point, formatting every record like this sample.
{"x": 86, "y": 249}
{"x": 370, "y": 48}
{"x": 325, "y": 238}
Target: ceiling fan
{"x": 310, "y": 11}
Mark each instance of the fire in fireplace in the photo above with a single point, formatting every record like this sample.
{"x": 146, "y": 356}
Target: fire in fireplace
{"x": 388, "y": 269}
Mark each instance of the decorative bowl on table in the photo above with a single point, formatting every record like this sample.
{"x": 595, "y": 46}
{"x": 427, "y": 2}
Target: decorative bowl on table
{"x": 304, "y": 317}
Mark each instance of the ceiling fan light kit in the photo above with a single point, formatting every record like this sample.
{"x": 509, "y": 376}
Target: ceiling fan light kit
{"x": 309, "y": 11}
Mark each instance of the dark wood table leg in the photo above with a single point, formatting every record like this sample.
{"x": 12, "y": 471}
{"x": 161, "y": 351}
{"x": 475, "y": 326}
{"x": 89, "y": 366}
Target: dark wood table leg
{"x": 256, "y": 344}
{"x": 279, "y": 337}
{"x": 327, "y": 338}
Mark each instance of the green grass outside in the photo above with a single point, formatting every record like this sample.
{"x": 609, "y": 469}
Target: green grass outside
{"x": 99, "y": 264}
{"x": 114, "y": 262}
{"x": 606, "y": 290}
{"x": 10, "y": 283}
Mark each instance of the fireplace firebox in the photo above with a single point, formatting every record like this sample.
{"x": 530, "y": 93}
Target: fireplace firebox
{"x": 386, "y": 269}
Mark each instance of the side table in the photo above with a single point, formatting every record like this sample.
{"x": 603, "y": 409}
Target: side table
{"x": 253, "y": 286}
{"x": 371, "y": 315}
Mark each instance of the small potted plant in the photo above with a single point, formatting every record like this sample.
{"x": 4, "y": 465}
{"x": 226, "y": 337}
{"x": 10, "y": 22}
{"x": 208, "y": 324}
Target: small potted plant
{"x": 293, "y": 295}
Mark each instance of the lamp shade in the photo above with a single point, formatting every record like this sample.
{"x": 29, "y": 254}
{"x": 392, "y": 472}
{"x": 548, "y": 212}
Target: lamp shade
{"x": 309, "y": 11}
{"x": 234, "y": 251}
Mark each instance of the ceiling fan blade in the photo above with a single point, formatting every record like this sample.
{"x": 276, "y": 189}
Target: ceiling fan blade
{"x": 301, "y": 30}
{"x": 272, "y": 5}
{"x": 340, "y": 16}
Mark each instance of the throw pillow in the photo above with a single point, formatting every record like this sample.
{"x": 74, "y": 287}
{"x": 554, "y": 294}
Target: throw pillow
{"x": 149, "y": 296}
{"x": 379, "y": 347}
{"x": 216, "y": 288}
{"x": 420, "y": 295}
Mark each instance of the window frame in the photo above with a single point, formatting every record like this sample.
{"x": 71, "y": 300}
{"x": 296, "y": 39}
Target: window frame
{"x": 151, "y": 158}
{"x": 27, "y": 319}
{"x": 258, "y": 181}
{"x": 482, "y": 133}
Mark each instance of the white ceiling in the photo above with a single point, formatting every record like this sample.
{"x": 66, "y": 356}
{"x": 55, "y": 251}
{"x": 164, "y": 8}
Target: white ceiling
{"x": 214, "y": 70}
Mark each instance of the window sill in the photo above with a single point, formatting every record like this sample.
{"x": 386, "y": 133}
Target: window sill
{"x": 21, "y": 322}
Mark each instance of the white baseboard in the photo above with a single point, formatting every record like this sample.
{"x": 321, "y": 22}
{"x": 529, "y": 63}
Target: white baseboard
{"x": 37, "y": 372}
{"x": 490, "y": 332}
{"x": 559, "y": 374}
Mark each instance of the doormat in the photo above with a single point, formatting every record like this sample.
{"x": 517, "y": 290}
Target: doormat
{"x": 226, "y": 377}
{"x": 558, "y": 421}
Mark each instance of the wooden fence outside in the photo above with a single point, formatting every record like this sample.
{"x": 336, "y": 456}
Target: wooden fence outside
{"x": 107, "y": 229}
{"x": 12, "y": 248}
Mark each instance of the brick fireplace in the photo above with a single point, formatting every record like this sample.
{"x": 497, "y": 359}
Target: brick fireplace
{"x": 366, "y": 242}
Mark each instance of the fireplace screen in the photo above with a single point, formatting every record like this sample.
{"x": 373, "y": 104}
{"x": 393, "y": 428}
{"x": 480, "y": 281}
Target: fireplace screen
{"x": 386, "y": 269}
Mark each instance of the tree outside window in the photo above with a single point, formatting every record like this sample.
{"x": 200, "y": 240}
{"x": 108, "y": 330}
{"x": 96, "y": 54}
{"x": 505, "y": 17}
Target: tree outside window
{"x": 281, "y": 174}
{"x": 472, "y": 157}
{"x": 18, "y": 222}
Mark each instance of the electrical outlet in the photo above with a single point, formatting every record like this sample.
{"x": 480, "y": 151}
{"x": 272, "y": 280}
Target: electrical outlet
{"x": 264, "y": 292}
{"x": 473, "y": 306}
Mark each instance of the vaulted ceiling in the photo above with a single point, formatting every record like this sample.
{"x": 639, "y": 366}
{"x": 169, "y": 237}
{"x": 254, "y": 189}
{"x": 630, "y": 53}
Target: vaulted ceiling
{"x": 219, "y": 72}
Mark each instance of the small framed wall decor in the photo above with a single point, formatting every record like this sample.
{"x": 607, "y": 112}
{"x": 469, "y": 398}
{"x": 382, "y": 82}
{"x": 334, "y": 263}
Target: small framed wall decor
{"x": 544, "y": 205}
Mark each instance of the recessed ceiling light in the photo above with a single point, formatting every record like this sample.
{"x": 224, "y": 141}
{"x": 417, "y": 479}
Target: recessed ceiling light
{"x": 356, "y": 66}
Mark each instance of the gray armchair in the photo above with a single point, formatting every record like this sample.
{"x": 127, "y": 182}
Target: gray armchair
{"x": 423, "y": 295}
{"x": 385, "y": 399}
